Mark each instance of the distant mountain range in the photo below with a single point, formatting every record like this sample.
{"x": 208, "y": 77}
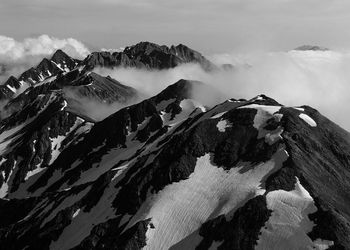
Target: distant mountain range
{"x": 311, "y": 47}
{"x": 168, "y": 172}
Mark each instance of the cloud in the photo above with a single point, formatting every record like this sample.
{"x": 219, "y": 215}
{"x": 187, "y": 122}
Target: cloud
{"x": 93, "y": 108}
{"x": 242, "y": 24}
{"x": 17, "y": 56}
{"x": 318, "y": 79}
{"x": 40, "y": 46}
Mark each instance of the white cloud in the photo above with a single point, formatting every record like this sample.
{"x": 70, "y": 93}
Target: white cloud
{"x": 39, "y": 46}
{"x": 18, "y": 56}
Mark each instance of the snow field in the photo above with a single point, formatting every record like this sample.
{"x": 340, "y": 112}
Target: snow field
{"x": 181, "y": 208}
{"x": 289, "y": 223}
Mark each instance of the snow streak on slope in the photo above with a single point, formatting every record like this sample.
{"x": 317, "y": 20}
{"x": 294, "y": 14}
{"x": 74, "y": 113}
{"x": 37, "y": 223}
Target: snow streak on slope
{"x": 263, "y": 114}
{"x": 308, "y": 120}
{"x": 82, "y": 223}
{"x": 181, "y": 208}
{"x": 289, "y": 224}
{"x": 187, "y": 106}
{"x": 157, "y": 174}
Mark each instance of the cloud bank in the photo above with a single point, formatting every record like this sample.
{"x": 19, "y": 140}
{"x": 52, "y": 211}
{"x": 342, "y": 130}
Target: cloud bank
{"x": 18, "y": 56}
{"x": 91, "y": 108}
{"x": 295, "y": 78}
{"x": 316, "y": 78}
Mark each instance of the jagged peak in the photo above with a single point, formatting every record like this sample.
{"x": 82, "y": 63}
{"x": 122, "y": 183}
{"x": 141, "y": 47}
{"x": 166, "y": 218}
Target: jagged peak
{"x": 11, "y": 79}
{"x": 148, "y": 55}
{"x": 44, "y": 63}
{"x": 143, "y": 45}
{"x": 182, "y": 88}
{"x": 265, "y": 98}
{"x": 181, "y": 46}
{"x": 59, "y": 56}
{"x": 311, "y": 47}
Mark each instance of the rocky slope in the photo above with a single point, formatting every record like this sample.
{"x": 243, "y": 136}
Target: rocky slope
{"x": 67, "y": 71}
{"x": 149, "y": 56}
{"x": 167, "y": 172}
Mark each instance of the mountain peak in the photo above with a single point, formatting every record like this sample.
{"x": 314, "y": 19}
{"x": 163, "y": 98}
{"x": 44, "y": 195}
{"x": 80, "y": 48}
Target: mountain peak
{"x": 311, "y": 47}
{"x": 166, "y": 172}
{"x": 11, "y": 79}
{"x": 59, "y": 56}
{"x": 148, "y": 55}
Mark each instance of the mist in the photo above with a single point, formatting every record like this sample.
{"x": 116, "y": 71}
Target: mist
{"x": 294, "y": 78}
{"x": 93, "y": 109}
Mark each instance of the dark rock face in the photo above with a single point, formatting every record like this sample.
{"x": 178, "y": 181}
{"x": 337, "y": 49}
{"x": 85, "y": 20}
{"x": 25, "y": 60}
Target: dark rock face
{"x": 322, "y": 158}
{"x": 148, "y": 55}
{"x": 60, "y": 62}
{"x": 66, "y": 69}
{"x": 63, "y": 60}
{"x": 241, "y": 232}
{"x": 32, "y": 146}
{"x": 167, "y": 172}
{"x": 311, "y": 47}
{"x": 89, "y": 176}
{"x": 103, "y": 89}
{"x": 8, "y": 89}
{"x": 13, "y": 82}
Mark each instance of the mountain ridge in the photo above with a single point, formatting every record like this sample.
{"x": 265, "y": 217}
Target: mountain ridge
{"x": 168, "y": 171}
{"x": 148, "y": 55}
{"x": 239, "y": 114}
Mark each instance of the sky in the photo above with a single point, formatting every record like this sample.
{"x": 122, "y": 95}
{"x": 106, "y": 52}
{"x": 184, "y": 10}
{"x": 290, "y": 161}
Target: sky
{"x": 209, "y": 26}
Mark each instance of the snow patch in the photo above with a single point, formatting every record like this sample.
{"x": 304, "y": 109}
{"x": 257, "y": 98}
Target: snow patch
{"x": 218, "y": 115}
{"x": 299, "y": 109}
{"x": 221, "y": 108}
{"x": 55, "y": 147}
{"x": 6, "y": 182}
{"x": 35, "y": 171}
{"x": 81, "y": 226}
{"x": 47, "y": 80}
{"x": 187, "y": 106}
{"x": 56, "y": 142}
{"x": 222, "y": 125}
{"x": 11, "y": 88}
{"x": 65, "y": 203}
{"x": 4, "y": 190}
{"x": 308, "y": 120}
{"x": 163, "y": 104}
{"x": 322, "y": 244}
{"x": 76, "y": 213}
{"x": 64, "y": 105}
{"x": 274, "y": 136}
{"x": 289, "y": 223}
{"x": 264, "y": 112}
{"x": 181, "y": 208}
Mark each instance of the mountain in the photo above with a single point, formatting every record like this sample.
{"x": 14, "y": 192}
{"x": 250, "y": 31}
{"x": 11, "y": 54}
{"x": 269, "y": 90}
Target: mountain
{"x": 149, "y": 56}
{"x": 105, "y": 89}
{"x": 46, "y": 69}
{"x": 9, "y": 88}
{"x": 311, "y": 47}
{"x": 142, "y": 55}
{"x": 59, "y": 63}
{"x": 169, "y": 171}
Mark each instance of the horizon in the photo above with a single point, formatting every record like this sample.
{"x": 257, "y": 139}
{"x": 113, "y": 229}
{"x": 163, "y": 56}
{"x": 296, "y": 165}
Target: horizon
{"x": 241, "y": 26}
{"x": 292, "y": 77}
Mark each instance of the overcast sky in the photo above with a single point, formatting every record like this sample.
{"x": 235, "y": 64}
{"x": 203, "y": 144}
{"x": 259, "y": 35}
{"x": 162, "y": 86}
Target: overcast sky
{"x": 209, "y": 26}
